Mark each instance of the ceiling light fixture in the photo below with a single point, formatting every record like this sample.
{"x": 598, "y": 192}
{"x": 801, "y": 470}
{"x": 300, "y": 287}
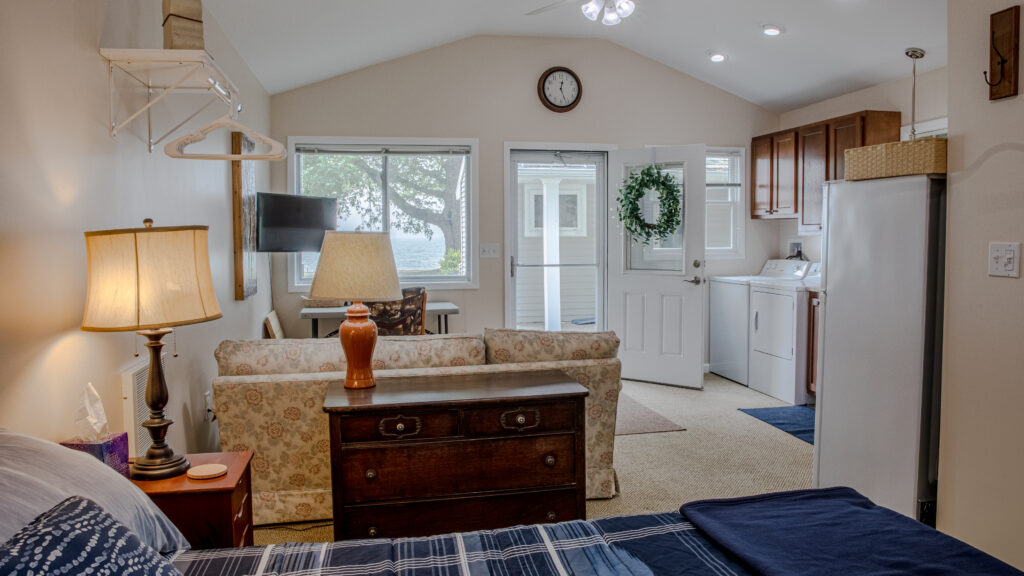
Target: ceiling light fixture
{"x": 716, "y": 57}
{"x": 614, "y": 10}
{"x": 772, "y": 30}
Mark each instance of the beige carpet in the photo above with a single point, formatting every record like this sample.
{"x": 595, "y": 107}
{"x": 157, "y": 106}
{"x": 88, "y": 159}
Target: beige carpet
{"x": 723, "y": 453}
{"x": 634, "y": 418}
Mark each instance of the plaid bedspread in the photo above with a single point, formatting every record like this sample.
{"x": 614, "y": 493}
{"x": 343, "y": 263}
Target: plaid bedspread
{"x": 628, "y": 545}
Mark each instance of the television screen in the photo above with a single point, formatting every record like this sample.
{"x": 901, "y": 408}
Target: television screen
{"x": 287, "y": 223}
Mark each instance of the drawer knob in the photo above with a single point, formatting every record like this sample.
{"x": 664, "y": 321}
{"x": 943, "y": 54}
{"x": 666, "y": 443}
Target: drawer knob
{"x": 521, "y": 419}
{"x": 372, "y": 532}
{"x": 400, "y": 427}
{"x": 551, "y": 516}
{"x": 549, "y": 460}
{"x": 371, "y": 474}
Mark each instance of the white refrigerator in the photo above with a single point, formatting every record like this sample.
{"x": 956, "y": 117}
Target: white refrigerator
{"x": 879, "y": 376}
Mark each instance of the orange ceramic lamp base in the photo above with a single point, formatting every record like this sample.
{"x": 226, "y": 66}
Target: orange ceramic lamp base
{"x": 358, "y": 337}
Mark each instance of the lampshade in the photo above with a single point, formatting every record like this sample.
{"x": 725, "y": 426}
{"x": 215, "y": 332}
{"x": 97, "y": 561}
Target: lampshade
{"x": 144, "y": 278}
{"x": 356, "y": 266}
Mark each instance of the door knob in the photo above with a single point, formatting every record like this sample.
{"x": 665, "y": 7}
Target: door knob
{"x": 695, "y": 280}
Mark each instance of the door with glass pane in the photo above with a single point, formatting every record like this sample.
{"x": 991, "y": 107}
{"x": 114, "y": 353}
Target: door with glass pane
{"x": 556, "y": 208}
{"x": 656, "y": 291}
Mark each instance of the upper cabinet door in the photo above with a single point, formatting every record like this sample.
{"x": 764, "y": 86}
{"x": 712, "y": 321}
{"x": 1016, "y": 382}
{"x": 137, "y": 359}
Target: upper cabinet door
{"x": 761, "y": 176}
{"x": 814, "y": 168}
{"x": 784, "y": 168}
{"x": 847, "y": 132}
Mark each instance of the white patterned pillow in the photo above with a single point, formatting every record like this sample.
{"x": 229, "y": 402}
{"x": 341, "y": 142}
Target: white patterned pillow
{"x": 78, "y": 537}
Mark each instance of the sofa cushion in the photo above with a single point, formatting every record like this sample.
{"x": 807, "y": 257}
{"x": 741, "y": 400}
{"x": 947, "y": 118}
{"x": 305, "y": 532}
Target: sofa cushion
{"x": 505, "y": 346}
{"x": 312, "y": 355}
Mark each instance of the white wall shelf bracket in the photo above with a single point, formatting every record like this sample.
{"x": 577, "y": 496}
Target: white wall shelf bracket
{"x": 162, "y": 73}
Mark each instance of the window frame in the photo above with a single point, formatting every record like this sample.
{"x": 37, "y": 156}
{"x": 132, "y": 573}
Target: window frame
{"x": 739, "y": 206}
{"x": 471, "y": 280}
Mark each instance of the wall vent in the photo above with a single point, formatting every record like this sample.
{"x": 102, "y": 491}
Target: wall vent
{"x": 133, "y": 393}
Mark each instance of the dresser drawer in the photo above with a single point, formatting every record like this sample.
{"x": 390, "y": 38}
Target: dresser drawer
{"x": 431, "y": 517}
{"x": 424, "y": 470}
{"x": 521, "y": 419}
{"x": 399, "y": 426}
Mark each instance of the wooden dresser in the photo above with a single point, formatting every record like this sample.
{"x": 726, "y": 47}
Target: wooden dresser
{"x": 417, "y": 456}
{"x": 214, "y": 513}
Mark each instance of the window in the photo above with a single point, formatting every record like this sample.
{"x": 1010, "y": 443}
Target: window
{"x": 422, "y": 192}
{"x": 723, "y": 230}
{"x": 572, "y": 203}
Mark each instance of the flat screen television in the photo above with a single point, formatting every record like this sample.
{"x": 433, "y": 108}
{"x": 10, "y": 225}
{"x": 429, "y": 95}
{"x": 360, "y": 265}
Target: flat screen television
{"x": 288, "y": 223}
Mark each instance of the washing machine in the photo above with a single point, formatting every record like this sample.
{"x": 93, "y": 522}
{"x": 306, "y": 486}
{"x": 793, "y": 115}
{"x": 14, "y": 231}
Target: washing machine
{"x": 729, "y": 317}
{"x": 778, "y": 336}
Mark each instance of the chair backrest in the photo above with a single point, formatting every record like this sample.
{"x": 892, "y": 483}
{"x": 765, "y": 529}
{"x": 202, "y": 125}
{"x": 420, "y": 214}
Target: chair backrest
{"x": 405, "y": 317}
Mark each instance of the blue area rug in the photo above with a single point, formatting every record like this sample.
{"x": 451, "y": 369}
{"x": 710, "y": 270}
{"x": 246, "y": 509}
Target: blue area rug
{"x": 797, "y": 420}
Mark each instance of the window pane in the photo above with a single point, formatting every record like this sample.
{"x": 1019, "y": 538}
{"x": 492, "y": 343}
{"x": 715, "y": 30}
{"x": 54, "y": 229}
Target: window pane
{"x": 665, "y": 253}
{"x": 354, "y": 179}
{"x": 427, "y": 194}
{"x": 724, "y": 174}
{"x": 719, "y": 226}
{"x": 718, "y": 194}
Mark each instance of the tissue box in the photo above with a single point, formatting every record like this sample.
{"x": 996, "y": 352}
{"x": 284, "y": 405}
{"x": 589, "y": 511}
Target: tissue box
{"x": 111, "y": 449}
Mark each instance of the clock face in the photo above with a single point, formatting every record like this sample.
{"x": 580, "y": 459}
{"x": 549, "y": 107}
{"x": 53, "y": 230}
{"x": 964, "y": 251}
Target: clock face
{"x": 559, "y": 89}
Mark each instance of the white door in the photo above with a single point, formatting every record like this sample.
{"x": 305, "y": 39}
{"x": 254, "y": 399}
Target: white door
{"x": 656, "y": 292}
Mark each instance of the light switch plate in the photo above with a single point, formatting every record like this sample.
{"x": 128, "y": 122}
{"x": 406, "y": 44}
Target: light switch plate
{"x": 490, "y": 250}
{"x": 1004, "y": 259}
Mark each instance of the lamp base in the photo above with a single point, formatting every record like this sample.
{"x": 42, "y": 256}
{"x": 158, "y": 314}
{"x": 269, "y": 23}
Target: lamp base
{"x": 358, "y": 336}
{"x": 160, "y": 461}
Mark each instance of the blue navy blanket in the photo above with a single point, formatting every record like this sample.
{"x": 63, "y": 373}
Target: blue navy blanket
{"x": 833, "y": 531}
{"x": 630, "y": 545}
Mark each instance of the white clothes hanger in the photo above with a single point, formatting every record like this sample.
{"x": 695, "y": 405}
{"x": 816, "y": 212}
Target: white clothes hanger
{"x": 176, "y": 148}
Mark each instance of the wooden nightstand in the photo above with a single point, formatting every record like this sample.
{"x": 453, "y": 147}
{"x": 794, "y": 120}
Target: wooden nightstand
{"x": 215, "y": 513}
{"x": 426, "y": 455}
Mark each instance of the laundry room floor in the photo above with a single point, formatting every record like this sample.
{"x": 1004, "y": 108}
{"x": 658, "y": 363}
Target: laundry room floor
{"x": 722, "y": 453}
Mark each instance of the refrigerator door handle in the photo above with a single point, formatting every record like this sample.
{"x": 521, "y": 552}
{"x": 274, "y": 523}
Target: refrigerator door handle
{"x": 756, "y": 312}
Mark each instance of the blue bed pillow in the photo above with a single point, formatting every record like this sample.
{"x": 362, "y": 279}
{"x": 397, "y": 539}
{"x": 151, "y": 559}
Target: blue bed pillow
{"x": 36, "y": 474}
{"x": 78, "y": 537}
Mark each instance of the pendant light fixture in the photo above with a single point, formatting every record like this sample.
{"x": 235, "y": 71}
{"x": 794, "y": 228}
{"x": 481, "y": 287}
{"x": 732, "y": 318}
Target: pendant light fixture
{"x": 614, "y": 10}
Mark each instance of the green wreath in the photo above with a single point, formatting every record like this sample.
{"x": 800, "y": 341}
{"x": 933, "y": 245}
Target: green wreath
{"x": 632, "y": 193}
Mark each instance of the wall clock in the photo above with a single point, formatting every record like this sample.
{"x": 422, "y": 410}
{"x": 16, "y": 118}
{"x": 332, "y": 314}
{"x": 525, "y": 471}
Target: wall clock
{"x": 559, "y": 89}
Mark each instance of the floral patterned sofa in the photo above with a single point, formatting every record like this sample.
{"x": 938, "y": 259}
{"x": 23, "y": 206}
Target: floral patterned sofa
{"x": 268, "y": 397}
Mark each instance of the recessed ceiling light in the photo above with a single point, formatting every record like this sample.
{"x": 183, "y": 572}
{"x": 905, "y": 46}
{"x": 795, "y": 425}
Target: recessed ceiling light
{"x": 716, "y": 57}
{"x": 771, "y": 30}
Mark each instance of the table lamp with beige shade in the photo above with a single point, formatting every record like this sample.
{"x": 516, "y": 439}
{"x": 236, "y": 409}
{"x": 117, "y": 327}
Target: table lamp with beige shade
{"x": 358, "y": 267}
{"x": 148, "y": 280}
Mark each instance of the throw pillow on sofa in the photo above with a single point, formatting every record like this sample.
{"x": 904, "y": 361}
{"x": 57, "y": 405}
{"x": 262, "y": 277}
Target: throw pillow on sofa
{"x": 506, "y": 346}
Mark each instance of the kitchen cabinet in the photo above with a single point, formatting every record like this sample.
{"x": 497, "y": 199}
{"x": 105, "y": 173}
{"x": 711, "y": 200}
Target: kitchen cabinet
{"x": 814, "y": 168}
{"x": 789, "y": 168}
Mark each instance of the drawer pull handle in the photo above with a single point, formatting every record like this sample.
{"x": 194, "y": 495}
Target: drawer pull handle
{"x": 371, "y": 474}
{"x": 551, "y": 516}
{"x": 372, "y": 532}
{"x": 550, "y": 460}
{"x": 400, "y": 424}
{"x": 518, "y": 420}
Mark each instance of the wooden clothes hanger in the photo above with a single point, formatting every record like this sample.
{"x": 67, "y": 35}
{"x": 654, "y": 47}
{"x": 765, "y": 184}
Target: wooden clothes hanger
{"x": 176, "y": 148}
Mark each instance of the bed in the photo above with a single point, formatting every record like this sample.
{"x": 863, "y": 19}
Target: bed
{"x": 67, "y": 513}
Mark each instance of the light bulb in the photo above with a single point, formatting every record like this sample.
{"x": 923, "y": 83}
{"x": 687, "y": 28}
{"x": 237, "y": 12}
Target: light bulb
{"x": 771, "y": 30}
{"x": 624, "y": 8}
{"x": 611, "y": 18}
{"x": 592, "y": 9}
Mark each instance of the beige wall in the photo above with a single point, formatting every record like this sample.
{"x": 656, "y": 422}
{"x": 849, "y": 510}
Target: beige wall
{"x": 981, "y": 461}
{"x": 485, "y": 87}
{"x": 61, "y": 174}
{"x": 932, "y": 90}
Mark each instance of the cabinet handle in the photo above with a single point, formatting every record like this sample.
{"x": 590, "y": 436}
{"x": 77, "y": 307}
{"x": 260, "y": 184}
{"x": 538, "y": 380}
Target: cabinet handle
{"x": 521, "y": 419}
{"x": 549, "y": 460}
{"x": 371, "y": 474}
{"x": 372, "y": 532}
{"x": 400, "y": 427}
{"x": 551, "y": 516}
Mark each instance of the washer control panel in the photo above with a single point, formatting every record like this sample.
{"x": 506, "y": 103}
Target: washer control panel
{"x": 795, "y": 269}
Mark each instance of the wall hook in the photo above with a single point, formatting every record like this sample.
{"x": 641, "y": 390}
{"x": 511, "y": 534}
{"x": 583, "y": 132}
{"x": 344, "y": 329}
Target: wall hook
{"x": 1002, "y": 62}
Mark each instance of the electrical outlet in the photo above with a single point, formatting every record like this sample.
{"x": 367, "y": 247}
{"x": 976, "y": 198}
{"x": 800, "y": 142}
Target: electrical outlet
{"x": 208, "y": 416}
{"x": 490, "y": 250}
{"x": 1004, "y": 259}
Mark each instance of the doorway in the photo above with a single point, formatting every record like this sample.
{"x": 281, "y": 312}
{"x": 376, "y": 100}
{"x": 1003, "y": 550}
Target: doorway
{"x": 555, "y": 231}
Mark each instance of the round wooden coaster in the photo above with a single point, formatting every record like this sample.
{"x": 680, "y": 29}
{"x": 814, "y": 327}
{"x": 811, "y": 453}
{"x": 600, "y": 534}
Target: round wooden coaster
{"x": 207, "y": 471}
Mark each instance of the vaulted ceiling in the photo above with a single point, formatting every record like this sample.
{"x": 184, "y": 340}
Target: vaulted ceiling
{"x": 829, "y": 47}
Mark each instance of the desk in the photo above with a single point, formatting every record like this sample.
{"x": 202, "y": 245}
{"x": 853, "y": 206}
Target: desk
{"x": 439, "y": 309}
